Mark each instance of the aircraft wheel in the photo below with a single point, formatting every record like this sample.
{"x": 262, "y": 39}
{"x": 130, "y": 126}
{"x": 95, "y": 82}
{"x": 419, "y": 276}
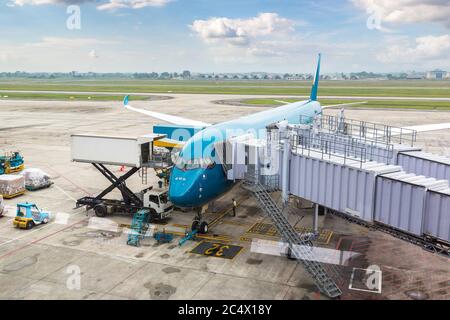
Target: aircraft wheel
{"x": 204, "y": 227}
{"x": 195, "y": 224}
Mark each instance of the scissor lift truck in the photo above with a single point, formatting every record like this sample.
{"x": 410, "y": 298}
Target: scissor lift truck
{"x": 137, "y": 153}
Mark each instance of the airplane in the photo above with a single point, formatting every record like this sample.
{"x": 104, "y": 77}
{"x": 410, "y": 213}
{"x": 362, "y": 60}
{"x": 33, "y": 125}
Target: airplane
{"x": 197, "y": 178}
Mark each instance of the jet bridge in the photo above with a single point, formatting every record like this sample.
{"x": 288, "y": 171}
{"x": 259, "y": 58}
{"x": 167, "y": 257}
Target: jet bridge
{"x": 368, "y": 173}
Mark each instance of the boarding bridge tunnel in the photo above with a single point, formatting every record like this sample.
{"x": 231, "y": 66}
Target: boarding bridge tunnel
{"x": 368, "y": 173}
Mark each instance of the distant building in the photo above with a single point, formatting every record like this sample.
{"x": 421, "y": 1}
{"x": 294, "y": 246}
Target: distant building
{"x": 436, "y": 74}
{"x": 295, "y": 78}
{"x": 415, "y": 76}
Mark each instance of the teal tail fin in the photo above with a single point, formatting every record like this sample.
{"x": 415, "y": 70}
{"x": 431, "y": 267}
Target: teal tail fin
{"x": 315, "y": 86}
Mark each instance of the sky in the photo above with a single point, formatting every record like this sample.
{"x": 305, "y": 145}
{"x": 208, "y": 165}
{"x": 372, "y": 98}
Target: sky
{"x": 224, "y": 35}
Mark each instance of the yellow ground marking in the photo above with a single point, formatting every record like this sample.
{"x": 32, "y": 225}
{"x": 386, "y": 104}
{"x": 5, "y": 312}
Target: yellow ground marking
{"x": 225, "y": 212}
{"x": 184, "y": 226}
{"x": 218, "y": 242}
{"x": 269, "y": 231}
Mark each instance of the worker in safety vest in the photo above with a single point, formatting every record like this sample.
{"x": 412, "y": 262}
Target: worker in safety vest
{"x": 234, "y": 207}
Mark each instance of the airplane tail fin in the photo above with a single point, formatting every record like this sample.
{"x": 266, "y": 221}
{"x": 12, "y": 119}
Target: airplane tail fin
{"x": 315, "y": 86}
{"x": 125, "y": 100}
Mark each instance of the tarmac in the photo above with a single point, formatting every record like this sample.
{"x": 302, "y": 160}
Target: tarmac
{"x": 77, "y": 256}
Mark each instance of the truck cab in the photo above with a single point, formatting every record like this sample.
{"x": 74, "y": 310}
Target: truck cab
{"x": 157, "y": 200}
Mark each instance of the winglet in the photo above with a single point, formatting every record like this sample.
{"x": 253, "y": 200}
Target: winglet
{"x": 125, "y": 100}
{"x": 315, "y": 86}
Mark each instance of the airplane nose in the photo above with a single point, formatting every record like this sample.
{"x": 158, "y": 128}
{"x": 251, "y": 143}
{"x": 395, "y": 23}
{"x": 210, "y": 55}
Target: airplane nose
{"x": 184, "y": 187}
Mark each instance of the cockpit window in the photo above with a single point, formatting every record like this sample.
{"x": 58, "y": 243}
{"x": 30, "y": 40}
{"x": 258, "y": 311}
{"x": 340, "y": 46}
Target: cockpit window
{"x": 191, "y": 164}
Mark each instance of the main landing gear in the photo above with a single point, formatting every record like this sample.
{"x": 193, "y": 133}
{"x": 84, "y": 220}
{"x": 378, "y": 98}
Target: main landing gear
{"x": 199, "y": 224}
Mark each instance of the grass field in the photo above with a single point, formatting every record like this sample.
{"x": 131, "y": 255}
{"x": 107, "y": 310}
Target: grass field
{"x": 436, "y": 89}
{"x": 387, "y": 104}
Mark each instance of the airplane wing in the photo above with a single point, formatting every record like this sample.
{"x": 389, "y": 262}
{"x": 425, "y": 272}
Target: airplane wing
{"x": 282, "y": 102}
{"x": 343, "y": 104}
{"x": 428, "y": 127}
{"x": 330, "y": 106}
{"x": 166, "y": 117}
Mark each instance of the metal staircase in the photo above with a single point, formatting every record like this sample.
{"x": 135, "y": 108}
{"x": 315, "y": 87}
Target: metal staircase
{"x": 138, "y": 227}
{"x": 301, "y": 248}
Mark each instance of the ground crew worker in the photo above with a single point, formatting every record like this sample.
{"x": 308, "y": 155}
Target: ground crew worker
{"x": 234, "y": 207}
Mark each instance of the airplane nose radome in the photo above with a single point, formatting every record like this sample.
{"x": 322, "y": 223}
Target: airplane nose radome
{"x": 183, "y": 189}
{"x": 178, "y": 197}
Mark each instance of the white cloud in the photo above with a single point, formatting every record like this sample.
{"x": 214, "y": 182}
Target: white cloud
{"x": 43, "y": 2}
{"x": 427, "y": 49}
{"x": 134, "y": 4}
{"x": 108, "y": 5}
{"x": 408, "y": 11}
{"x": 58, "y": 42}
{"x": 93, "y": 54}
{"x": 247, "y": 38}
{"x": 242, "y": 31}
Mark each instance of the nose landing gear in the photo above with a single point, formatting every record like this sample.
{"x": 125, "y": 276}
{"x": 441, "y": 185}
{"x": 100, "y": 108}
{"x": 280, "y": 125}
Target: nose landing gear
{"x": 199, "y": 224}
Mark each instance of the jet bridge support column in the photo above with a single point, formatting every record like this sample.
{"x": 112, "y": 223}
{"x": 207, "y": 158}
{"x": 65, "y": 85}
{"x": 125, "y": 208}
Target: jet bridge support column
{"x": 285, "y": 170}
{"x": 316, "y": 219}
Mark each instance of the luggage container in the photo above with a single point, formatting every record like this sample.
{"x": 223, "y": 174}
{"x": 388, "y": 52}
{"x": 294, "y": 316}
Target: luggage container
{"x": 11, "y": 185}
{"x": 36, "y": 179}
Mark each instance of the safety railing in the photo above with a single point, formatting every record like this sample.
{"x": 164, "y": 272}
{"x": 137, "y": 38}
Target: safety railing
{"x": 363, "y": 130}
{"x": 159, "y": 159}
{"x": 309, "y": 144}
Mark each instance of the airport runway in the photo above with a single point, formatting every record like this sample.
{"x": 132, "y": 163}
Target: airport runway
{"x": 231, "y": 96}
